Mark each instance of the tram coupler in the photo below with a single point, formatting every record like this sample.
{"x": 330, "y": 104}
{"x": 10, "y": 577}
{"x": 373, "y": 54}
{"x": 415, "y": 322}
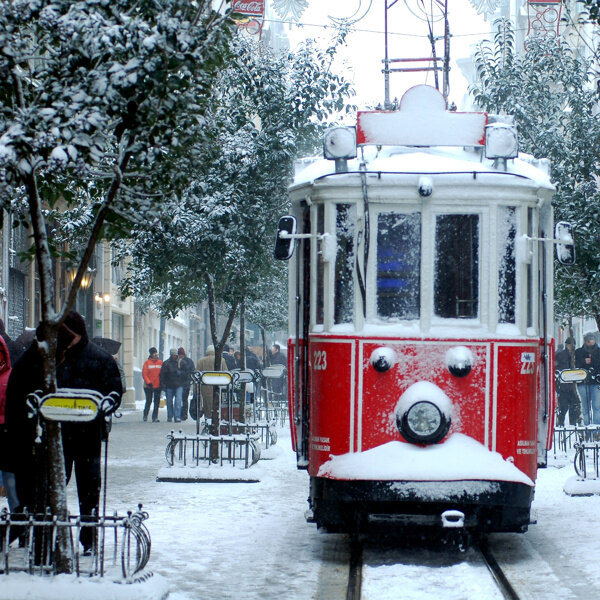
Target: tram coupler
{"x": 453, "y": 519}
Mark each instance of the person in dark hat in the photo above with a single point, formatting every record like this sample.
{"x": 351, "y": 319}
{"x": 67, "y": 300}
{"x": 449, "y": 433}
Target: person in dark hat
{"x": 152, "y": 389}
{"x": 568, "y": 400}
{"x": 588, "y": 357}
{"x": 86, "y": 366}
{"x": 25, "y": 452}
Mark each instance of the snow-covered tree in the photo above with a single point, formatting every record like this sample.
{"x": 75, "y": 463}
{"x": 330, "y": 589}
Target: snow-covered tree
{"x": 548, "y": 88}
{"x": 99, "y": 100}
{"x": 216, "y": 240}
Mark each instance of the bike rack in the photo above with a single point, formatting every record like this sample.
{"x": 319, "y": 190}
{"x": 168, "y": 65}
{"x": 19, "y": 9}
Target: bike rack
{"x": 193, "y": 450}
{"x": 29, "y": 543}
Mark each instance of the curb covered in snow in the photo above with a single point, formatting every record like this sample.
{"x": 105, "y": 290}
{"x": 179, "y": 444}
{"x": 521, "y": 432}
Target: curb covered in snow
{"x": 212, "y": 474}
{"x": 22, "y": 586}
{"x": 575, "y": 486}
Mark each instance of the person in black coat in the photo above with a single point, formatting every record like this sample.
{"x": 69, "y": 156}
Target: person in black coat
{"x": 80, "y": 365}
{"x": 24, "y": 456}
{"x": 187, "y": 366}
{"x": 568, "y": 400}
{"x": 277, "y": 358}
{"x": 588, "y": 357}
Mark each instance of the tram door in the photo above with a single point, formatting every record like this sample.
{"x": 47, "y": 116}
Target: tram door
{"x": 300, "y": 326}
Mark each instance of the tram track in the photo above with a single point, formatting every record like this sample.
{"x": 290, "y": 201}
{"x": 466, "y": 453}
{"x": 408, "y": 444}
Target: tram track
{"x": 497, "y": 573}
{"x": 479, "y": 556}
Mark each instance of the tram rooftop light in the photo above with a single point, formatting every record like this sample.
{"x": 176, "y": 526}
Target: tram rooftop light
{"x": 501, "y": 141}
{"x": 339, "y": 143}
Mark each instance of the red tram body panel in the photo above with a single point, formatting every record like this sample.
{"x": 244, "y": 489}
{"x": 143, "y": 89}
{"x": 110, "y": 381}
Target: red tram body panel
{"x": 420, "y": 354}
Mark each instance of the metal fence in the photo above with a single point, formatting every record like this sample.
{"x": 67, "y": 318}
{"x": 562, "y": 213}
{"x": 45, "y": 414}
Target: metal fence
{"x": 584, "y": 442}
{"x": 29, "y": 543}
{"x": 192, "y": 450}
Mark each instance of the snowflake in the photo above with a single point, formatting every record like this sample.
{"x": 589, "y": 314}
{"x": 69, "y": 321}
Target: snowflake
{"x": 485, "y": 7}
{"x": 291, "y": 8}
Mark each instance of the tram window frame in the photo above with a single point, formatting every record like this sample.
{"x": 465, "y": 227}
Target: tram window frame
{"x": 442, "y": 283}
{"x": 397, "y": 306}
{"x": 531, "y": 268}
{"x": 319, "y": 315}
{"x": 345, "y": 263}
{"x": 506, "y": 255}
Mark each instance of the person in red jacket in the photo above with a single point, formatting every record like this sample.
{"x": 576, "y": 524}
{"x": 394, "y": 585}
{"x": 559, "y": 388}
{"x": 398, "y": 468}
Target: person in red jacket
{"x": 151, "y": 375}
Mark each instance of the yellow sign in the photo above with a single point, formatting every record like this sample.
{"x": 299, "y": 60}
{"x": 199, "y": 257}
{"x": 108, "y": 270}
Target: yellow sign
{"x": 69, "y": 408}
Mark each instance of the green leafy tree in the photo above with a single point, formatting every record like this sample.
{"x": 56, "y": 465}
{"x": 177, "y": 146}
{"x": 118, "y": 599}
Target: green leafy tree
{"x": 98, "y": 103}
{"x": 548, "y": 89}
{"x": 216, "y": 240}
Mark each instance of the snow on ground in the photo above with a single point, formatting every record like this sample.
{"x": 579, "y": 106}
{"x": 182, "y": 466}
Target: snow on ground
{"x": 216, "y": 541}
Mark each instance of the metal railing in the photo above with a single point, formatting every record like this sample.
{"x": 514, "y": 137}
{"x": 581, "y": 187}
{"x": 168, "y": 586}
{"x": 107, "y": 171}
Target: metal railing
{"x": 29, "y": 543}
{"x": 192, "y": 450}
{"x": 566, "y": 437}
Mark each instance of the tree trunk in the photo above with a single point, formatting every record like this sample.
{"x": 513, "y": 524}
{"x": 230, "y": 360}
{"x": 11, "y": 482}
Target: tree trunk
{"x": 218, "y": 344}
{"x": 50, "y": 323}
{"x": 243, "y": 359}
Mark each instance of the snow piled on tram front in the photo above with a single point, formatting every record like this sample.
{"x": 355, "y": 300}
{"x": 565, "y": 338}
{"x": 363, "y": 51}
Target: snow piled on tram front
{"x": 400, "y": 461}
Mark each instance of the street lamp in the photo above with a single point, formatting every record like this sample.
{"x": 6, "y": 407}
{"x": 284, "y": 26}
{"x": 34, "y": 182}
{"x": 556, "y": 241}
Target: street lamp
{"x": 86, "y": 280}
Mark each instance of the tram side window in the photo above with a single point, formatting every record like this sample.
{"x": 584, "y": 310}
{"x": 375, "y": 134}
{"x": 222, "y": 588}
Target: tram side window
{"x": 456, "y": 289}
{"x": 507, "y": 273}
{"x": 344, "y": 263}
{"x": 320, "y": 268}
{"x": 399, "y": 265}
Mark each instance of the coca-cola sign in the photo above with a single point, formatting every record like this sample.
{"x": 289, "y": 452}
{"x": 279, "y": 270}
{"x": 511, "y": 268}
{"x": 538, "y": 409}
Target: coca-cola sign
{"x": 255, "y": 8}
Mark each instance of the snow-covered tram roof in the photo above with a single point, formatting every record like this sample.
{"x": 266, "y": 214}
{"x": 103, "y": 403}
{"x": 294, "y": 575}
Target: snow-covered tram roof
{"x": 422, "y": 137}
{"x": 394, "y": 164}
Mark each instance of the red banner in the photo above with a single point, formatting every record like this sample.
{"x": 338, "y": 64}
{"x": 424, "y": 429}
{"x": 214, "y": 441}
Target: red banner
{"x": 254, "y": 8}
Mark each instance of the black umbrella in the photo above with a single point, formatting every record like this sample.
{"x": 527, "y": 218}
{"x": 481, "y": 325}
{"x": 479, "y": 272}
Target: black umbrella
{"x": 111, "y": 346}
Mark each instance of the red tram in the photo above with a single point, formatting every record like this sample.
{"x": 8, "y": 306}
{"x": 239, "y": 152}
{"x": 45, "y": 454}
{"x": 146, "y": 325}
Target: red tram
{"x": 420, "y": 301}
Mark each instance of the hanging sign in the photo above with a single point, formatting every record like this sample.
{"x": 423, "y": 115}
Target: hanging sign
{"x": 252, "y": 8}
{"x": 71, "y": 405}
{"x": 249, "y": 15}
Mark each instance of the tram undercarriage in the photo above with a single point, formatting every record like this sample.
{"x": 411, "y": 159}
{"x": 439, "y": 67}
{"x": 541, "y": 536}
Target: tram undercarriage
{"x": 358, "y": 505}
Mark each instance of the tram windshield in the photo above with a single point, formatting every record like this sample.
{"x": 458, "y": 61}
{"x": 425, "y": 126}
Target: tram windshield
{"x": 456, "y": 288}
{"x": 398, "y": 265}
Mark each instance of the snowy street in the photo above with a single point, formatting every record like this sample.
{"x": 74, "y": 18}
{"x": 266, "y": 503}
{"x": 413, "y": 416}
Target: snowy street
{"x": 213, "y": 541}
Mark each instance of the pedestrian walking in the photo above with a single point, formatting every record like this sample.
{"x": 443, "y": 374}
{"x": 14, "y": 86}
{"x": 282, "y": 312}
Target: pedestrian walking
{"x": 80, "y": 365}
{"x": 188, "y": 367}
{"x": 207, "y": 363}
{"x": 568, "y": 400}
{"x": 86, "y": 366}
{"x": 152, "y": 389}
{"x": 588, "y": 357}
{"x": 277, "y": 358}
{"x": 172, "y": 380}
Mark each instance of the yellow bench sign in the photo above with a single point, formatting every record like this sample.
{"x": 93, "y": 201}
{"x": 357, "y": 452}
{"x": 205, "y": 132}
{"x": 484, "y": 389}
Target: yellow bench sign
{"x": 71, "y": 405}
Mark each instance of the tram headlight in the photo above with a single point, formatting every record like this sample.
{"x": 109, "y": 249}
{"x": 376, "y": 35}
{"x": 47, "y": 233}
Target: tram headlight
{"x": 423, "y": 414}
